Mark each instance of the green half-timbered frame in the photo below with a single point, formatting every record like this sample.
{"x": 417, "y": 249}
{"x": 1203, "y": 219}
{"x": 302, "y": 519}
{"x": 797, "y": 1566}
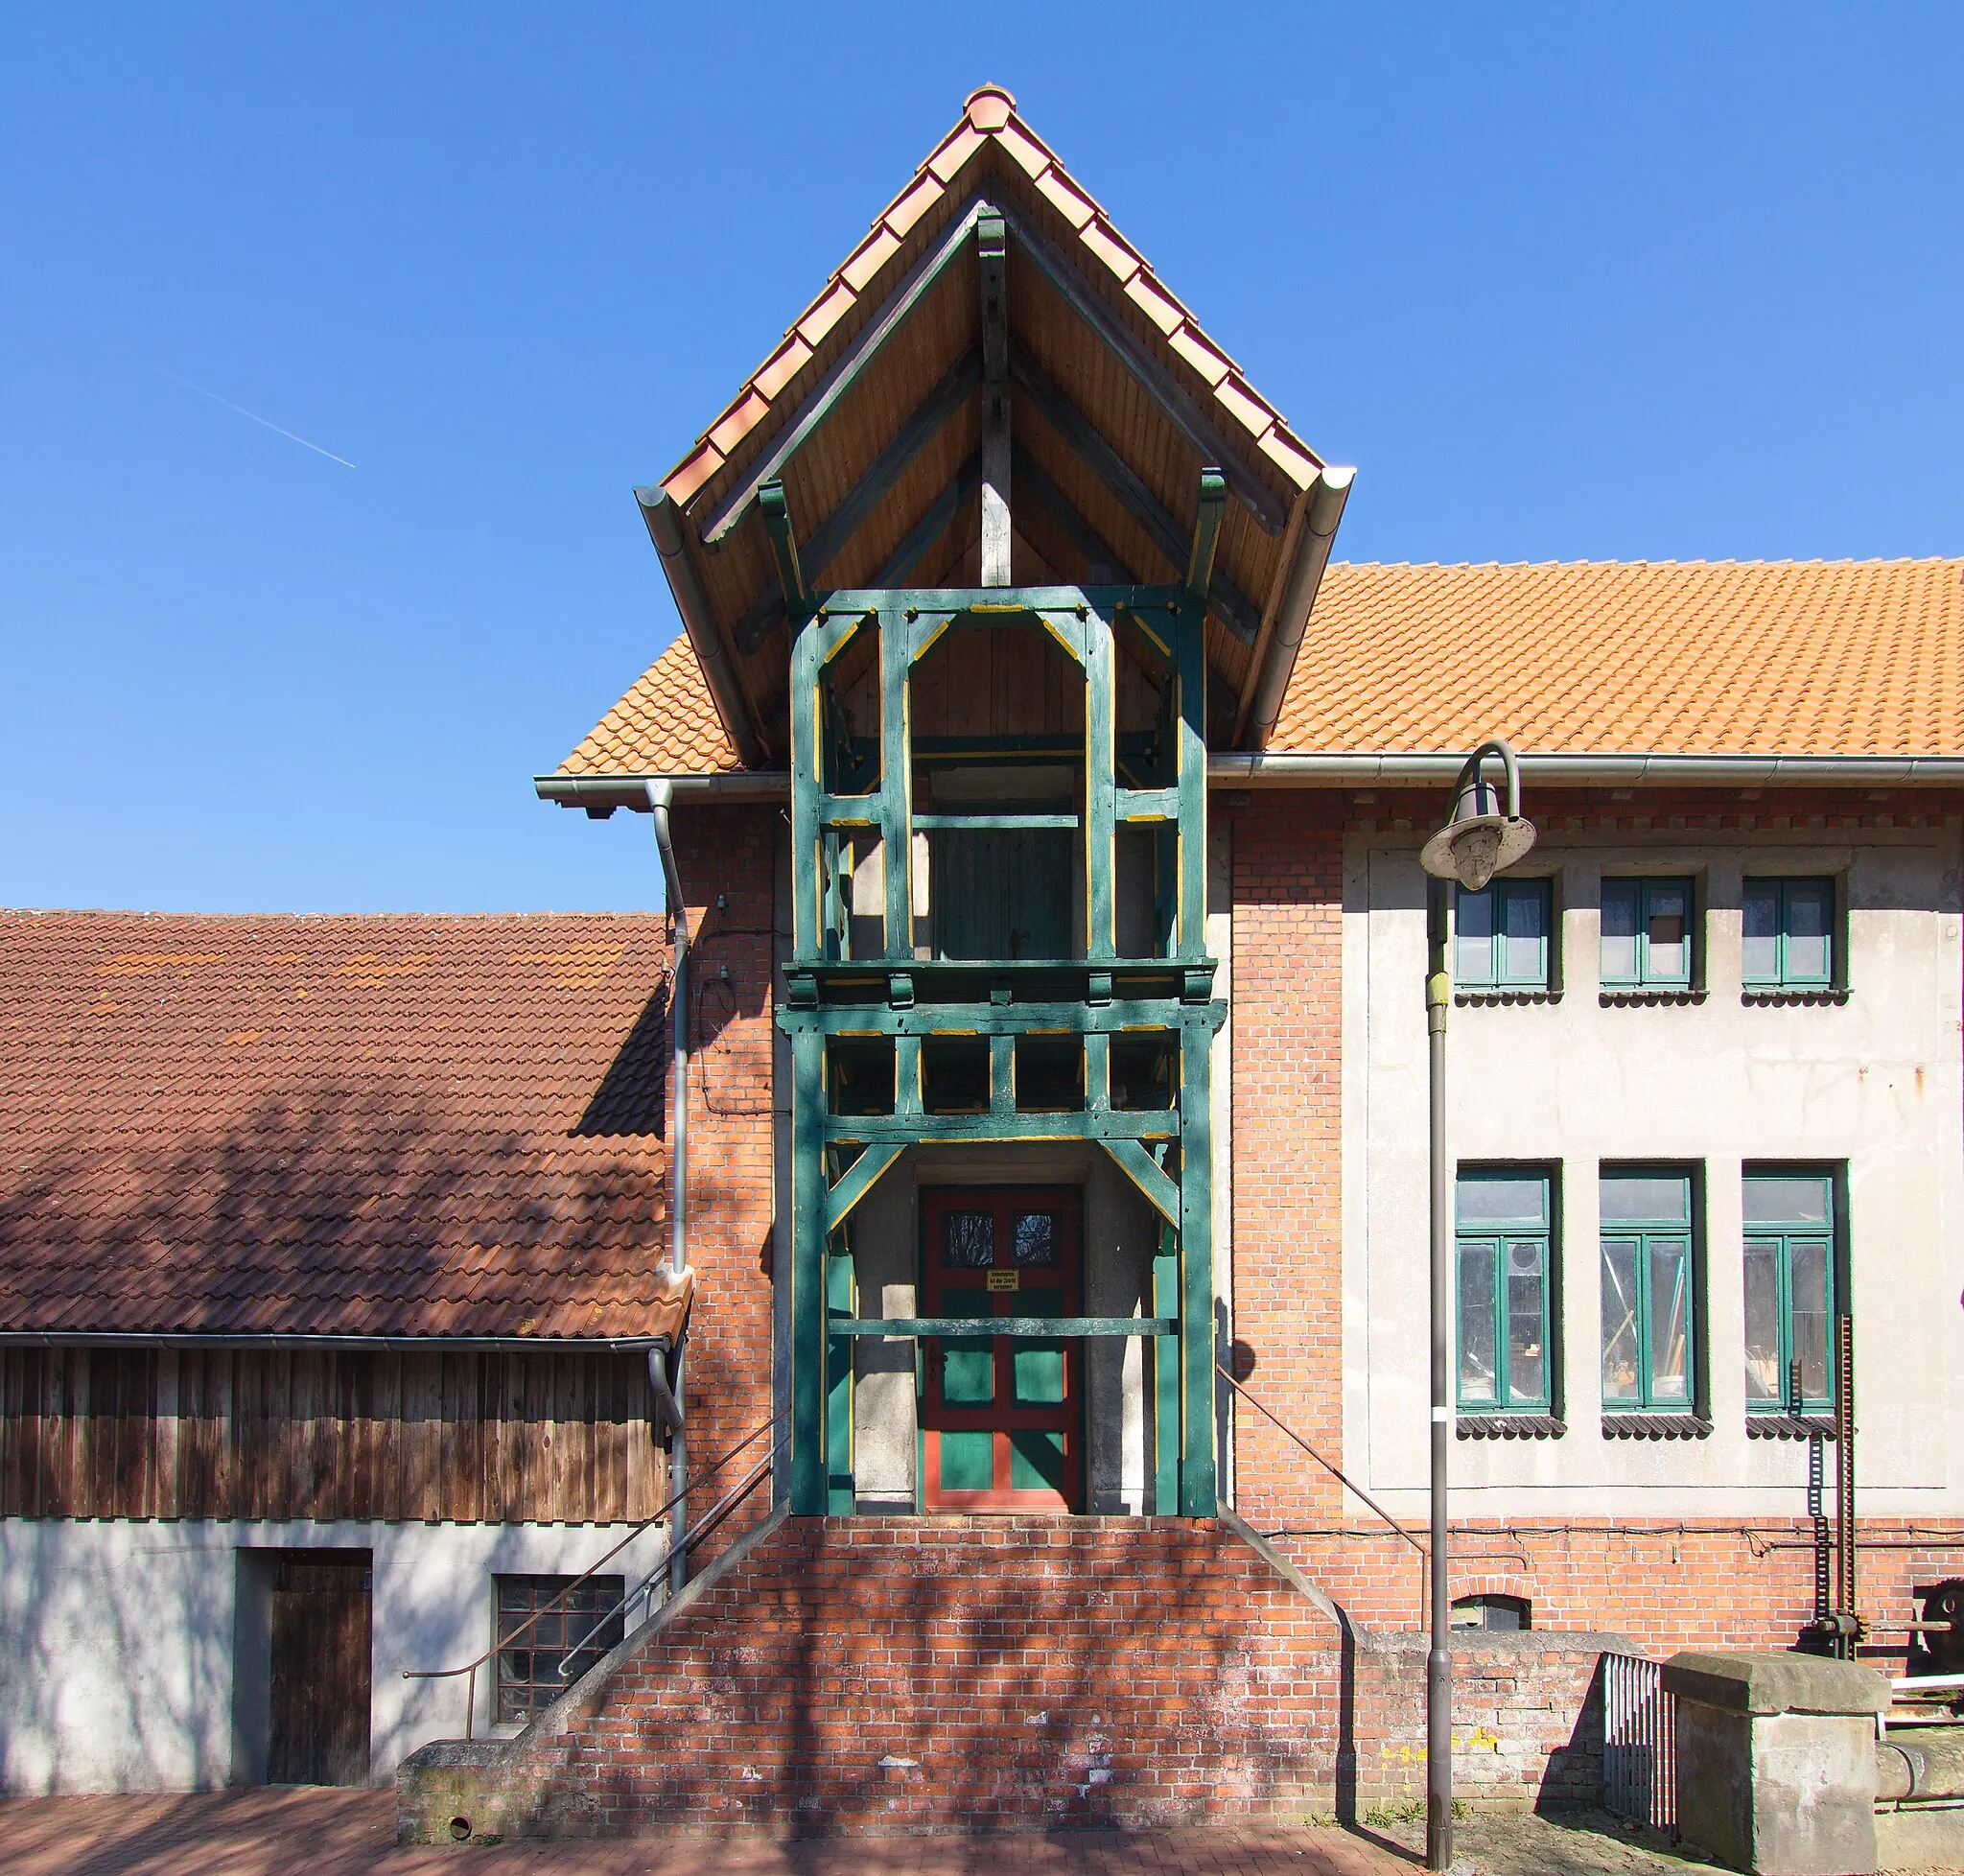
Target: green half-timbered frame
{"x": 893, "y": 1000}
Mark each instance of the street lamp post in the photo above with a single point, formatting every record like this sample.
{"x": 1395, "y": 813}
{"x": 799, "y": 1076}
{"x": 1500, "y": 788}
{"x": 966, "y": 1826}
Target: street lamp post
{"x": 1480, "y": 838}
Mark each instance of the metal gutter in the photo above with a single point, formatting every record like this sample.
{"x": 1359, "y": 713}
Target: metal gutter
{"x": 1298, "y": 599}
{"x": 699, "y": 621}
{"x": 1236, "y": 769}
{"x": 602, "y": 795}
{"x": 535, "y": 1345}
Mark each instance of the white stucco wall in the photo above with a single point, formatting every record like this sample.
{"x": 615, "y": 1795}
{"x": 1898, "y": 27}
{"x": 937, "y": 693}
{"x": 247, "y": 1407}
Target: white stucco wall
{"x": 118, "y": 1668}
{"x": 1873, "y": 1082}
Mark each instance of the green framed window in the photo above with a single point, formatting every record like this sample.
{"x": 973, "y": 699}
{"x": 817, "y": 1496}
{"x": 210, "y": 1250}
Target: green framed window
{"x": 1789, "y": 1287}
{"x": 1504, "y": 1359}
{"x": 1648, "y": 1318}
{"x": 1502, "y": 935}
{"x": 1788, "y": 934}
{"x": 1648, "y": 934}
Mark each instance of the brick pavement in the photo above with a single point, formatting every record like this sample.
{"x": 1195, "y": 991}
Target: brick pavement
{"x": 333, "y": 1833}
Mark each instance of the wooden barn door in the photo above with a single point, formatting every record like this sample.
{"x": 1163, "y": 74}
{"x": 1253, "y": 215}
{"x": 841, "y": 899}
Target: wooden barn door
{"x": 317, "y": 1731}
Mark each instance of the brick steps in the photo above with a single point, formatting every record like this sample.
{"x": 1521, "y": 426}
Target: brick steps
{"x": 925, "y": 1674}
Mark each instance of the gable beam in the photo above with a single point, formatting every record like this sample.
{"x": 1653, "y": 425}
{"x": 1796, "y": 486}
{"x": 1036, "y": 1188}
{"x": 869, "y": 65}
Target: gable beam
{"x": 1068, "y": 522}
{"x": 991, "y": 241}
{"x": 1234, "y": 608}
{"x": 827, "y": 540}
{"x": 1206, "y": 534}
{"x": 777, "y": 524}
{"x": 901, "y": 564}
{"x": 847, "y": 368}
{"x": 1213, "y": 443}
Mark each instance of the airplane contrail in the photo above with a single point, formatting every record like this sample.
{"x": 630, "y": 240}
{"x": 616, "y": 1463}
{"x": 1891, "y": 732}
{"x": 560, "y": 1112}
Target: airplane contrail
{"x": 204, "y": 391}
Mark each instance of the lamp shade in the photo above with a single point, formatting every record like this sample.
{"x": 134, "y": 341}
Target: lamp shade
{"x": 1479, "y": 839}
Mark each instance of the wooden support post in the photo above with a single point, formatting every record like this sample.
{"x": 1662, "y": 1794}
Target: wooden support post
{"x": 1190, "y": 935}
{"x": 896, "y": 782}
{"x": 777, "y": 524}
{"x": 992, "y": 241}
{"x": 1206, "y": 534}
{"x": 1166, "y": 1380}
{"x": 841, "y": 1303}
{"x": 808, "y": 1274}
{"x": 1196, "y": 1483}
{"x": 807, "y": 783}
{"x": 1002, "y": 1075}
{"x": 1101, "y": 788}
{"x": 1097, "y": 1073}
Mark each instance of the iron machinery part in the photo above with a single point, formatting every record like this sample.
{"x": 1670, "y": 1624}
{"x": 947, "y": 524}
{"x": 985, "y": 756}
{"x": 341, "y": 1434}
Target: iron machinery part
{"x": 1942, "y": 1647}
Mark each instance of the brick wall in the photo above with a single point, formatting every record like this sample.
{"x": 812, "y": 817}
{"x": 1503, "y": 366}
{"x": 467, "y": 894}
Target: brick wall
{"x": 728, "y": 851}
{"x": 1288, "y": 1245}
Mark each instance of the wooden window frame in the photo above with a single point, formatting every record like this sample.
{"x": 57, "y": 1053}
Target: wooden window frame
{"x": 1784, "y": 1236}
{"x": 1697, "y": 1393}
{"x": 1645, "y": 884}
{"x": 1499, "y": 891}
{"x": 1496, "y": 1241}
{"x": 1784, "y": 977}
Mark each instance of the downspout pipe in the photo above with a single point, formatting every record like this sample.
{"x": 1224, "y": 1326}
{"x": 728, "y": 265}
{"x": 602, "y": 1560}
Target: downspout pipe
{"x": 665, "y": 528}
{"x": 660, "y": 798}
{"x": 1299, "y": 598}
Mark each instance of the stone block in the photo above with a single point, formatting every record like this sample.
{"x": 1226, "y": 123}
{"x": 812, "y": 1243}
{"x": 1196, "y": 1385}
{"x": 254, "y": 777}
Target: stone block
{"x": 1777, "y": 1762}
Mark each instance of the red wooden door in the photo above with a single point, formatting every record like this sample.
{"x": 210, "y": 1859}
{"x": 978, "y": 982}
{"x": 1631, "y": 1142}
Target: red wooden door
{"x": 1001, "y": 1416}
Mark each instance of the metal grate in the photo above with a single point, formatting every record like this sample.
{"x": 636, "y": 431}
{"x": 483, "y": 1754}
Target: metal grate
{"x": 1639, "y": 1741}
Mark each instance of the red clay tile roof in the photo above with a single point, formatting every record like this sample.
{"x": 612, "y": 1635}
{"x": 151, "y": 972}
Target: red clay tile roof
{"x": 990, "y": 116}
{"x": 666, "y": 725}
{"x": 1826, "y": 658}
{"x": 1802, "y": 658}
{"x": 346, "y": 1126}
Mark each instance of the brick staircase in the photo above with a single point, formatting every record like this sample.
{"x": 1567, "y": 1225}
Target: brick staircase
{"x": 931, "y": 1675}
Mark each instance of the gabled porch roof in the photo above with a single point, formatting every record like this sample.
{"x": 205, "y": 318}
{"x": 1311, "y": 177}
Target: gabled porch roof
{"x": 870, "y": 413}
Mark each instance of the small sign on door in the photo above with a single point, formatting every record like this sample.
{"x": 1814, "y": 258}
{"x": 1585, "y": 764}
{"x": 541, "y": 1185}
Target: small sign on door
{"x": 1005, "y": 1279}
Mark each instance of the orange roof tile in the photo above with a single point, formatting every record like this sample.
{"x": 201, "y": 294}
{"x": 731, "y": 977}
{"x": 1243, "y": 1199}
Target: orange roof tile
{"x": 1831, "y": 658}
{"x": 990, "y": 115}
{"x": 666, "y": 725}
{"x": 1802, "y": 658}
{"x": 393, "y": 1126}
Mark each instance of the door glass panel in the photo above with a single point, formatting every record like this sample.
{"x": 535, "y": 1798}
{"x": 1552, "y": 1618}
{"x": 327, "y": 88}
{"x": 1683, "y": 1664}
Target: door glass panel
{"x": 1473, "y": 931}
{"x": 968, "y": 1240}
{"x": 1763, "y": 1381}
{"x": 1526, "y": 1381}
{"x": 1668, "y": 918}
{"x": 1038, "y": 1366}
{"x": 1477, "y": 1351}
{"x": 1807, "y": 930}
{"x": 1619, "y": 931}
{"x": 1038, "y": 1240}
{"x": 967, "y": 1461}
{"x": 1669, "y": 1320}
{"x": 1036, "y": 1460}
{"x": 967, "y": 1370}
{"x": 1623, "y": 1377}
{"x": 1759, "y": 921}
{"x": 1809, "y": 1292}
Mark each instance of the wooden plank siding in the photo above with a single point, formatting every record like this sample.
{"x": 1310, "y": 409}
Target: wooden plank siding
{"x": 223, "y": 1433}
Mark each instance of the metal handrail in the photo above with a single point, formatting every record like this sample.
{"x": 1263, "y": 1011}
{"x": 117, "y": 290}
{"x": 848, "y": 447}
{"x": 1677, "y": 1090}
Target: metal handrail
{"x": 1335, "y": 1472}
{"x": 470, "y": 1668}
{"x": 722, "y": 1509}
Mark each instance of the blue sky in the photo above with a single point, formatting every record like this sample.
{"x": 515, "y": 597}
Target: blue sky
{"x": 1564, "y": 281}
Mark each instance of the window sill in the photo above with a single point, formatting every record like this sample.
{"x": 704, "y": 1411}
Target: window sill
{"x": 1788, "y": 1427}
{"x": 1773, "y": 996}
{"x": 1636, "y": 996}
{"x": 1495, "y": 999}
{"x": 1509, "y": 1426}
{"x": 1655, "y": 1426}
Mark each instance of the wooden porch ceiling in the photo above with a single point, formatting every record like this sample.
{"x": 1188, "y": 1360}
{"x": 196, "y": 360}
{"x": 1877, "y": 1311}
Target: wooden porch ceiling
{"x": 1117, "y": 401}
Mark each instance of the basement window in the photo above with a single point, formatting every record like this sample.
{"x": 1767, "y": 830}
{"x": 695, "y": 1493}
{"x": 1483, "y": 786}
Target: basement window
{"x": 528, "y": 1676}
{"x": 1512, "y": 1613}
